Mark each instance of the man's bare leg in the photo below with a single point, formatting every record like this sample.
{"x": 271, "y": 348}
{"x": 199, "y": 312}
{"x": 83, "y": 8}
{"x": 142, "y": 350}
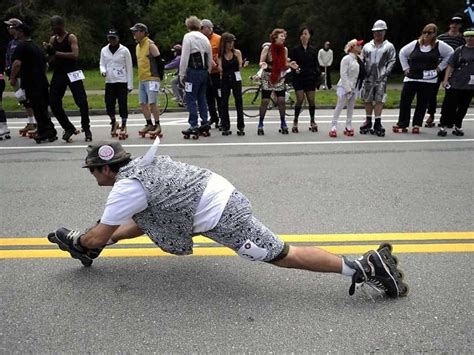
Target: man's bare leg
{"x": 312, "y": 259}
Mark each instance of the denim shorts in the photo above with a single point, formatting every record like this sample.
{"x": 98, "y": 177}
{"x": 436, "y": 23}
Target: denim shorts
{"x": 145, "y": 95}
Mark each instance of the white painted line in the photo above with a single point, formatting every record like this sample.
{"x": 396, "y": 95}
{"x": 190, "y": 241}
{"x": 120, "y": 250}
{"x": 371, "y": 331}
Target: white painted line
{"x": 242, "y": 144}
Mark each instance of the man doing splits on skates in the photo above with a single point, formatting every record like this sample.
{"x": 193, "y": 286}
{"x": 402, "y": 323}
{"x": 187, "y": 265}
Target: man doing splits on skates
{"x": 379, "y": 57}
{"x": 172, "y": 201}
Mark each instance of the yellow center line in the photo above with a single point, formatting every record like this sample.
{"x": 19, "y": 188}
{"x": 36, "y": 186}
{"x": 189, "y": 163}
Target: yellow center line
{"x": 290, "y": 238}
{"x": 223, "y": 251}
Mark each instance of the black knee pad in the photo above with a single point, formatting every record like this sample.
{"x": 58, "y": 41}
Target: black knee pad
{"x": 282, "y": 255}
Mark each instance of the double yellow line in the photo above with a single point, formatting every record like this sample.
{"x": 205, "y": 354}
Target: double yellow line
{"x": 433, "y": 242}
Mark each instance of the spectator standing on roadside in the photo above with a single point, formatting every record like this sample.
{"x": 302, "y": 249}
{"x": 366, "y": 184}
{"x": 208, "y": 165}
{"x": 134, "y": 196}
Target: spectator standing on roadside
{"x": 178, "y": 92}
{"x": 325, "y": 58}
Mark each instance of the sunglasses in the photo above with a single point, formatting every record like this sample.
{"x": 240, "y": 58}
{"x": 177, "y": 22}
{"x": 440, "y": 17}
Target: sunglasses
{"x": 428, "y": 32}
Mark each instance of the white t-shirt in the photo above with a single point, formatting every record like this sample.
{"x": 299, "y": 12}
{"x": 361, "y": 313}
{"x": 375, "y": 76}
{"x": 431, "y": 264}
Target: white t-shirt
{"x": 128, "y": 197}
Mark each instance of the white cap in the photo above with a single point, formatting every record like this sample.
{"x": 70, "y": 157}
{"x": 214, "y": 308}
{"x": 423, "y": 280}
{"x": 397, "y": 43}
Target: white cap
{"x": 379, "y": 25}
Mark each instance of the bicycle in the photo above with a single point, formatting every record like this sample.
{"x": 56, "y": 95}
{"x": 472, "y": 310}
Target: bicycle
{"x": 165, "y": 92}
{"x": 252, "y": 97}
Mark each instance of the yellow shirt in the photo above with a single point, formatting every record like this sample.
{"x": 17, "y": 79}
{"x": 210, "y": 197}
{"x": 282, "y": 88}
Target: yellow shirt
{"x": 146, "y": 70}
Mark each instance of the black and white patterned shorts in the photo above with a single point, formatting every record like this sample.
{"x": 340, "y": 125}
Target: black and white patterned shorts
{"x": 239, "y": 230}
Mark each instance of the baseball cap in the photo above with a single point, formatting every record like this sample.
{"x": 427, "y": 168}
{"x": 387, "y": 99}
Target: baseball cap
{"x": 207, "y": 23}
{"x": 176, "y": 48}
{"x": 106, "y": 153}
{"x": 13, "y": 22}
{"x": 139, "y": 27}
{"x": 23, "y": 27}
{"x": 360, "y": 42}
{"x": 457, "y": 18}
{"x": 112, "y": 33}
{"x": 379, "y": 25}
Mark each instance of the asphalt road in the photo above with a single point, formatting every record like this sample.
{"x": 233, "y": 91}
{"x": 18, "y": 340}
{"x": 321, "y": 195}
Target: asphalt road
{"x": 301, "y": 184}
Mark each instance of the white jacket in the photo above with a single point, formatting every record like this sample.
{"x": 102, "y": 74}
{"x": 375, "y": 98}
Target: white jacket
{"x": 349, "y": 73}
{"x": 118, "y": 66}
{"x": 325, "y": 57}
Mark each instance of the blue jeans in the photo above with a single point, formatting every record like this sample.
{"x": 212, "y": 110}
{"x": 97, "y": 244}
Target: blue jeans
{"x": 195, "y": 96}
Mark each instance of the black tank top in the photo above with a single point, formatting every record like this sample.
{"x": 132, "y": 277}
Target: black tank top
{"x": 61, "y": 64}
{"x": 229, "y": 67}
{"x": 420, "y": 61}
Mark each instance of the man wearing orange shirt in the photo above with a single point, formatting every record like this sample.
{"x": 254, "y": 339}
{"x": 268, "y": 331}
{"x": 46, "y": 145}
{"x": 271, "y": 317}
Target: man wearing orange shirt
{"x": 214, "y": 84}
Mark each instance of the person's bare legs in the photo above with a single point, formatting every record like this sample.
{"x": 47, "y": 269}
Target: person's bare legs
{"x": 312, "y": 259}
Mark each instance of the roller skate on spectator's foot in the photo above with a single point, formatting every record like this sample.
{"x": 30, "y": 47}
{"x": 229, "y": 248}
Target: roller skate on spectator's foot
{"x": 415, "y": 130}
{"x": 313, "y": 127}
{"x": 205, "y": 130}
{"x": 143, "y": 132}
{"x": 4, "y": 131}
{"x": 156, "y": 131}
{"x": 69, "y": 240}
{"x": 240, "y": 132}
{"x": 378, "y": 129}
{"x": 87, "y": 134}
{"x": 378, "y": 270}
{"x": 430, "y": 121}
{"x": 260, "y": 131}
{"x": 32, "y": 132}
{"x": 191, "y": 132}
{"x": 398, "y": 129}
{"x": 333, "y": 132}
{"x": 226, "y": 132}
{"x": 366, "y": 127}
{"x": 69, "y": 133}
{"x": 29, "y": 127}
{"x": 458, "y": 132}
{"x": 442, "y": 132}
{"x": 122, "y": 135}
{"x": 348, "y": 132}
{"x": 294, "y": 129}
{"x": 283, "y": 129}
{"x": 114, "y": 128}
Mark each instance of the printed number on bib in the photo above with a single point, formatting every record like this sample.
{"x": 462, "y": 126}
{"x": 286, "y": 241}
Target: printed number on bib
{"x": 76, "y": 76}
{"x": 429, "y": 74}
{"x": 119, "y": 72}
{"x": 153, "y": 86}
{"x": 238, "y": 77}
{"x": 251, "y": 251}
{"x": 188, "y": 87}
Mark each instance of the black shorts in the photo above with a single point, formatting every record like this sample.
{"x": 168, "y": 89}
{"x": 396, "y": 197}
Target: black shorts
{"x": 305, "y": 84}
{"x": 267, "y": 93}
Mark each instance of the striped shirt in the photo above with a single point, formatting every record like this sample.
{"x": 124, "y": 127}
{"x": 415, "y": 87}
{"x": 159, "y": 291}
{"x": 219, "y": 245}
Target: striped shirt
{"x": 453, "y": 41}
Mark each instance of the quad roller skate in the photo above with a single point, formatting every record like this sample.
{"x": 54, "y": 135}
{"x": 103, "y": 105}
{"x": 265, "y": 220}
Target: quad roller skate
{"x": 349, "y": 132}
{"x": 377, "y": 130}
{"x": 313, "y": 127}
{"x": 226, "y": 132}
{"x": 4, "y": 132}
{"x": 40, "y": 139}
{"x": 156, "y": 132}
{"x": 191, "y": 133}
{"x": 69, "y": 240}
{"x": 122, "y": 135}
{"x": 283, "y": 129}
{"x": 430, "y": 121}
{"x": 366, "y": 127}
{"x": 241, "y": 132}
{"x": 29, "y": 127}
{"x": 398, "y": 129}
{"x": 32, "y": 132}
{"x": 294, "y": 129}
{"x": 458, "y": 132}
{"x": 67, "y": 135}
{"x": 113, "y": 129}
{"x": 442, "y": 132}
{"x": 378, "y": 270}
{"x": 415, "y": 130}
{"x": 143, "y": 132}
{"x": 205, "y": 130}
{"x": 333, "y": 133}
{"x": 88, "y": 134}
{"x": 260, "y": 131}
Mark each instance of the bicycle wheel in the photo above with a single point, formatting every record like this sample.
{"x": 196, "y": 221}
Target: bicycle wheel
{"x": 251, "y": 98}
{"x": 163, "y": 101}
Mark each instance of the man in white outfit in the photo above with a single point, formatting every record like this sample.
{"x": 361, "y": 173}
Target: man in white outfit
{"x": 117, "y": 69}
{"x": 325, "y": 58}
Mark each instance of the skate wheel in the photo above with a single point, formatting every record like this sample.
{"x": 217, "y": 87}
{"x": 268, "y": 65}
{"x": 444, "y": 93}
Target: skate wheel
{"x": 52, "y": 237}
{"x": 386, "y": 245}
{"x": 400, "y": 274}
{"x": 403, "y": 289}
{"x": 294, "y": 130}
{"x": 86, "y": 263}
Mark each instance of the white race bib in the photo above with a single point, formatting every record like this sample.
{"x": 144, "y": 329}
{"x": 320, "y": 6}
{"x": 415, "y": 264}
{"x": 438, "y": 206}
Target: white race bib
{"x": 20, "y": 95}
{"x": 188, "y": 87}
{"x": 251, "y": 251}
{"x": 219, "y": 93}
{"x": 430, "y": 74}
{"x": 238, "y": 76}
{"x": 153, "y": 85}
{"x": 471, "y": 82}
{"x": 76, "y": 76}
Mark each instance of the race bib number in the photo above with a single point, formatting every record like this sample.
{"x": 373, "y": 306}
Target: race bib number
{"x": 471, "y": 82}
{"x": 153, "y": 85}
{"x": 76, "y": 76}
{"x": 251, "y": 251}
{"x": 430, "y": 74}
{"x": 119, "y": 72}
{"x": 188, "y": 87}
{"x": 238, "y": 76}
